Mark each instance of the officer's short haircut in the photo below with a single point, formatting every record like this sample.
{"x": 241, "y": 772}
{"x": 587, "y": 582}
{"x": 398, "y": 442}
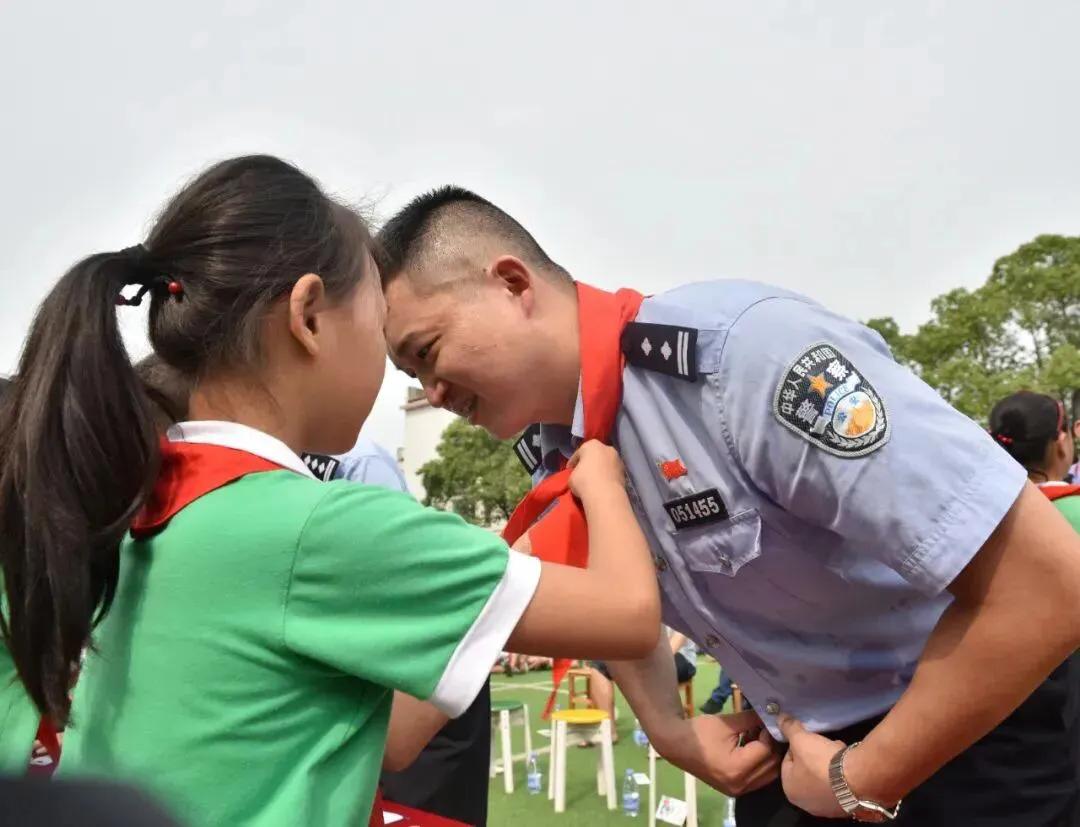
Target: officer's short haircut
{"x": 440, "y": 223}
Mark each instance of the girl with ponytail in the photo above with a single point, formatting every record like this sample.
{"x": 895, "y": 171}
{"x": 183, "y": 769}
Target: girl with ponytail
{"x": 244, "y": 622}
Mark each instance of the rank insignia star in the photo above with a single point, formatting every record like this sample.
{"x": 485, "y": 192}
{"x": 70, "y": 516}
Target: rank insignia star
{"x": 662, "y": 348}
{"x": 321, "y": 465}
{"x": 528, "y": 449}
{"x": 820, "y": 385}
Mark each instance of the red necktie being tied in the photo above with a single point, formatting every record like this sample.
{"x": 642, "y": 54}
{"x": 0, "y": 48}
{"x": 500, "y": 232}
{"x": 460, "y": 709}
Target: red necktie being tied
{"x": 549, "y": 513}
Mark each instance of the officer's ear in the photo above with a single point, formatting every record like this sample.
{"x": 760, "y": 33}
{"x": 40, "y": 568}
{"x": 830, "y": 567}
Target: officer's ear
{"x": 513, "y": 274}
{"x": 515, "y": 277}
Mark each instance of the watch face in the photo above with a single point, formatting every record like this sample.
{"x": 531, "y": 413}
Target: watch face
{"x": 865, "y": 815}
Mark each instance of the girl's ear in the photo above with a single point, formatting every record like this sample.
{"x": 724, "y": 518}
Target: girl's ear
{"x": 306, "y": 301}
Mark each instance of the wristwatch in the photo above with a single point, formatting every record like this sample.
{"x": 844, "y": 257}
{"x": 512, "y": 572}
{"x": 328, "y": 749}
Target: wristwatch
{"x": 867, "y": 812}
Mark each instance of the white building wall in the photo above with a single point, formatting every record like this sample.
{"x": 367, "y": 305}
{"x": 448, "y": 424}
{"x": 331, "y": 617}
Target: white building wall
{"x": 424, "y": 426}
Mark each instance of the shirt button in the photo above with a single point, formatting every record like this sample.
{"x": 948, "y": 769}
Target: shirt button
{"x": 661, "y": 564}
{"x": 712, "y": 641}
{"x": 772, "y": 708}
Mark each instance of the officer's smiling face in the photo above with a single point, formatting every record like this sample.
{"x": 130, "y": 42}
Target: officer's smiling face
{"x": 470, "y": 346}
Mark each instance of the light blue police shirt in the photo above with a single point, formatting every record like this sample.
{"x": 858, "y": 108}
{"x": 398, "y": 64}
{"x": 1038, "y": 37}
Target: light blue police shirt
{"x": 808, "y": 547}
{"x": 370, "y": 463}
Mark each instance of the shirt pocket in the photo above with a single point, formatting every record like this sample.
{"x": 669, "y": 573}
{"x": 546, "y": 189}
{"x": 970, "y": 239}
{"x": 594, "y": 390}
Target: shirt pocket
{"x": 722, "y": 548}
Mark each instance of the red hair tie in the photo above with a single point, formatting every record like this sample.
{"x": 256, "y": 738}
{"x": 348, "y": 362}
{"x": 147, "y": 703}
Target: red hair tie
{"x": 1004, "y": 440}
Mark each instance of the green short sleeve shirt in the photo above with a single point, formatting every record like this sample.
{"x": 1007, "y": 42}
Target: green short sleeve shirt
{"x": 1070, "y": 509}
{"x": 244, "y": 671}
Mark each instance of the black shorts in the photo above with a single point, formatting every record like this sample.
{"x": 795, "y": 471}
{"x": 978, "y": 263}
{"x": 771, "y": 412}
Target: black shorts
{"x": 1021, "y": 774}
{"x": 684, "y": 669}
{"x": 450, "y": 776}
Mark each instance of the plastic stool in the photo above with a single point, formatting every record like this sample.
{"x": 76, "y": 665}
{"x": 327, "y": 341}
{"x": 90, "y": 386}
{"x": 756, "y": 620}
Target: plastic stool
{"x": 573, "y": 696}
{"x": 578, "y": 726}
{"x": 510, "y": 712}
{"x": 689, "y": 790}
{"x": 687, "y": 690}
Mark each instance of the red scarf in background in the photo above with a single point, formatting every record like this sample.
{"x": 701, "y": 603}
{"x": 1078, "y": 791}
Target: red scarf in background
{"x": 549, "y": 513}
{"x": 1056, "y": 492}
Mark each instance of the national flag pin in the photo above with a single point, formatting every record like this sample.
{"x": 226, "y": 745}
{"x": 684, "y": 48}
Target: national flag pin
{"x": 672, "y": 469}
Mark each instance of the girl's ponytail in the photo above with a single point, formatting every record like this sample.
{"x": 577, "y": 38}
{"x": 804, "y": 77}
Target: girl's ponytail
{"x": 79, "y": 454}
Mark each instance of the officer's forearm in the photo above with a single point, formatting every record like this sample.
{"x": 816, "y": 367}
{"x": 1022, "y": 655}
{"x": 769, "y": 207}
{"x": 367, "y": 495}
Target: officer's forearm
{"x": 1015, "y": 617}
{"x": 652, "y": 691}
{"x": 413, "y": 723}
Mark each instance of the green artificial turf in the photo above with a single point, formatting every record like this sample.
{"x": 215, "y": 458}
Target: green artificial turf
{"x": 584, "y": 808}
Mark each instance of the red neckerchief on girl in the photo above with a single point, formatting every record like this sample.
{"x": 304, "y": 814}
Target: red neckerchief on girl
{"x": 190, "y": 470}
{"x": 1056, "y": 492}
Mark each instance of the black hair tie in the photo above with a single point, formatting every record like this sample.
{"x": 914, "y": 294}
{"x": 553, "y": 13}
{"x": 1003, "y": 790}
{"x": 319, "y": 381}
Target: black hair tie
{"x": 136, "y": 254}
{"x": 147, "y": 282}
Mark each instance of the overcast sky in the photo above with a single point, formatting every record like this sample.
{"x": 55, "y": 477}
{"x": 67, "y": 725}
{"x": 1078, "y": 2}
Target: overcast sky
{"x": 871, "y": 155}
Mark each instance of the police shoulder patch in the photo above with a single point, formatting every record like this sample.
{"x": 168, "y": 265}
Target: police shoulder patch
{"x": 825, "y": 400}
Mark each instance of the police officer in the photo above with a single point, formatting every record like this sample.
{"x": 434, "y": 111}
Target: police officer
{"x": 872, "y": 569}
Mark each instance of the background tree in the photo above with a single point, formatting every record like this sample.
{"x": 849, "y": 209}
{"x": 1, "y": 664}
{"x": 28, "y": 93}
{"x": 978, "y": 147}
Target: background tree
{"x": 474, "y": 475}
{"x": 1021, "y": 329}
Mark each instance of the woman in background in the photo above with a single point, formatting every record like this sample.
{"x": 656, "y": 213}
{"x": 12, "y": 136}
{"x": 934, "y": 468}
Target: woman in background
{"x": 1034, "y": 430}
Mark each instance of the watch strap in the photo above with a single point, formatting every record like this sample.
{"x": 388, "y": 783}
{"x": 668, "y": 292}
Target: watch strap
{"x": 866, "y": 811}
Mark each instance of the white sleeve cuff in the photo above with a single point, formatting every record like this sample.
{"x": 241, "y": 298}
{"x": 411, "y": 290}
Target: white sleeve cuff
{"x": 471, "y": 663}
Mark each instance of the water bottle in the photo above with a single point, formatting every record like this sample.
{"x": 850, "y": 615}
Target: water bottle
{"x": 631, "y": 801}
{"x": 640, "y": 738}
{"x": 535, "y": 780}
{"x": 729, "y": 819}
